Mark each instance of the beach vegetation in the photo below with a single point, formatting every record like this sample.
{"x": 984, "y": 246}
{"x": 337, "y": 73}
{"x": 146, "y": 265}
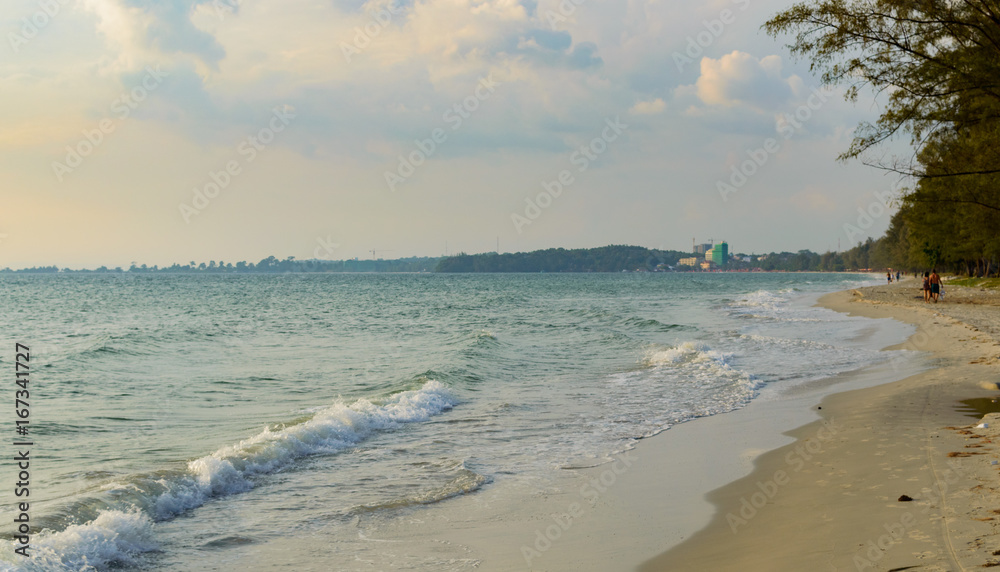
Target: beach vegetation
{"x": 936, "y": 64}
{"x": 992, "y": 283}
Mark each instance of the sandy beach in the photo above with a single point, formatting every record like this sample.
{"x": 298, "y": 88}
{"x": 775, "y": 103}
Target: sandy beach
{"x": 893, "y": 477}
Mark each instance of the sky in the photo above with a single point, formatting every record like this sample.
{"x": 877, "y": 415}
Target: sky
{"x": 163, "y": 131}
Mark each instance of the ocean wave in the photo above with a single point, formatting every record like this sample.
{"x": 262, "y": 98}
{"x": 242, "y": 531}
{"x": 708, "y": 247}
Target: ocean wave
{"x": 770, "y": 306}
{"x": 463, "y": 482}
{"x": 131, "y": 505}
{"x": 485, "y": 334}
{"x": 764, "y": 299}
{"x": 228, "y": 470}
{"x": 652, "y": 324}
{"x": 114, "y": 539}
{"x": 698, "y": 362}
{"x": 673, "y": 384}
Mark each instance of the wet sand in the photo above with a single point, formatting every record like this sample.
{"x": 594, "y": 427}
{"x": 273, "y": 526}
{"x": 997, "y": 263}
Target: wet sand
{"x": 831, "y": 499}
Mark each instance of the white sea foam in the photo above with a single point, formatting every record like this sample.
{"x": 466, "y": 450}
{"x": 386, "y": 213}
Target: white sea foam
{"x": 793, "y": 341}
{"x": 115, "y": 536}
{"x": 674, "y": 384}
{"x": 687, "y": 352}
{"x": 342, "y": 425}
{"x": 764, "y": 298}
{"x": 768, "y": 305}
{"x": 697, "y": 362}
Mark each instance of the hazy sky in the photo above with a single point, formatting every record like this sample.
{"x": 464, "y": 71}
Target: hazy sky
{"x": 166, "y": 131}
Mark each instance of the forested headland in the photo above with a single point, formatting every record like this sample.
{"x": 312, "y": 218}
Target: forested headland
{"x": 604, "y": 259}
{"x": 639, "y": 259}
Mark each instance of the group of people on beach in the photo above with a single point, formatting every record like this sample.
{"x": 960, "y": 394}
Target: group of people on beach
{"x": 932, "y": 286}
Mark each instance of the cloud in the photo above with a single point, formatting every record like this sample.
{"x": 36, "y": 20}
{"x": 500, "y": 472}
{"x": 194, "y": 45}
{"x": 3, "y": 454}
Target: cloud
{"x": 648, "y": 107}
{"x": 584, "y": 56}
{"x": 739, "y": 78}
{"x": 142, "y": 30}
{"x": 548, "y": 49}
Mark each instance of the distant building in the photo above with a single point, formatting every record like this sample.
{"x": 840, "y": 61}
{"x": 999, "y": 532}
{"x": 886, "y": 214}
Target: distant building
{"x": 693, "y": 261}
{"x": 719, "y": 254}
{"x": 706, "y": 265}
{"x": 702, "y": 248}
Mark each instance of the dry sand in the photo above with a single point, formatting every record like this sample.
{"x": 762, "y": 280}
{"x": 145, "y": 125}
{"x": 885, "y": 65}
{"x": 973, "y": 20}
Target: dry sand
{"x": 830, "y": 501}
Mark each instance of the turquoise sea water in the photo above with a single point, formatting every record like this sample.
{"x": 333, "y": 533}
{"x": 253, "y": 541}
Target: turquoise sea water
{"x": 183, "y": 420}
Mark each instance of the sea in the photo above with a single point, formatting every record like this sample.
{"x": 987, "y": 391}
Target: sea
{"x": 190, "y": 422}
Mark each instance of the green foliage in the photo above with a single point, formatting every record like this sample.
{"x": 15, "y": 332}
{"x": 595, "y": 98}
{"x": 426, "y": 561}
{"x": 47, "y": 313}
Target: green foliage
{"x": 992, "y": 283}
{"x": 931, "y": 57}
{"x": 637, "y": 258}
{"x": 938, "y": 61}
{"x": 604, "y": 259}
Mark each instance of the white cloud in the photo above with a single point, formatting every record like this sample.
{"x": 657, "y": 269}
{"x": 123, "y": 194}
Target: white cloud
{"x": 649, "y": 107}
{"x": 140, "y": 32}
{"x": 739, "y": 78}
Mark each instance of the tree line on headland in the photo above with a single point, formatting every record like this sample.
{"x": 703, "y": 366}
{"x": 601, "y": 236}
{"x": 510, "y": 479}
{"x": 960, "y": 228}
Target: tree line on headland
{"x": 636, "y": 258}
{"x": 938, "y": 63}
{"x": 604, "y": 259}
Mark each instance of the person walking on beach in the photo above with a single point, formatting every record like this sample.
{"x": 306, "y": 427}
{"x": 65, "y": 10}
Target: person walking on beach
{"x": 888, "y": 276}
{"x": 935, "y": 281}
{"x": 927, "y": 287}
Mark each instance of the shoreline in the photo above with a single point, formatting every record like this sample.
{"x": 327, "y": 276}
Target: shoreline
{"x": 618, "y": 515}
{"x": 663, "y": 505}
{"x": 828, "y": 500}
